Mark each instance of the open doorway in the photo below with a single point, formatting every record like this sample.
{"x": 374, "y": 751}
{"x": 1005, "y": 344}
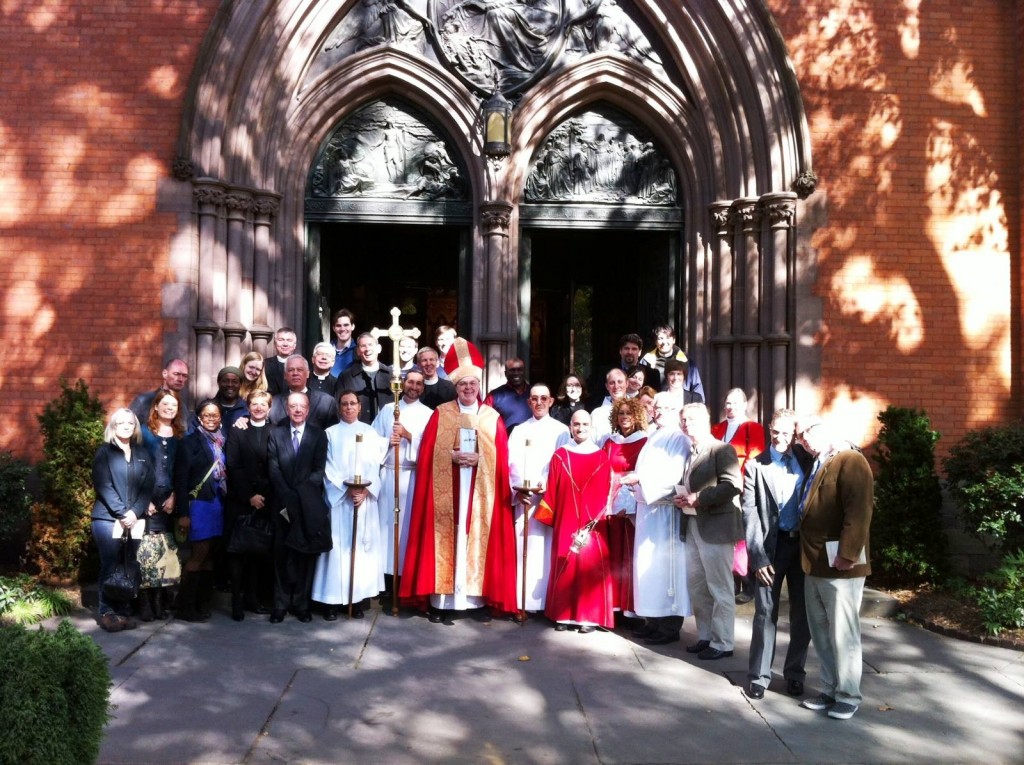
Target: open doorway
{"x": 587, "y": 289}
{"x": 369, "y": 268}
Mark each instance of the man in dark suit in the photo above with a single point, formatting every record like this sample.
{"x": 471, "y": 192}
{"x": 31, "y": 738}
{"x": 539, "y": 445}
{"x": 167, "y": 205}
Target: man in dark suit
{"x": 772, "y": 485}
{"x": 297, "y": 457}
{"x": 368, "y": 379}
{"x": 437, "y": 390}
{"x": 834, "y": 535}
{"x": 285, "y": 343}
{"x": 323, "y": 410}
{"x": 710, "y": 501}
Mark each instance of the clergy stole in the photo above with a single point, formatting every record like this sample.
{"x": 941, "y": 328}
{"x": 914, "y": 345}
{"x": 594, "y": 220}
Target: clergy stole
{"x": 481, "y": 501}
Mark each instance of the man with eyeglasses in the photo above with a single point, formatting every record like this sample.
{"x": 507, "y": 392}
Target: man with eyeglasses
{"x": 772, "y": 484}
{"x": 835, "y": 525}
{"x": 510, "y": 399}
{"x": 529, "y": 455}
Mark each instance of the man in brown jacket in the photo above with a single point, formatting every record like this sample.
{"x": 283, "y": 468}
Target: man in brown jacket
{"x": 834, "y": 532}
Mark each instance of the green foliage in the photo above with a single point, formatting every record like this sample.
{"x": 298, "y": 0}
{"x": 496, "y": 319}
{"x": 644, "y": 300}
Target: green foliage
{"x": 907, "y": 539}
{"x": 22, "y": 601}
{"x": 1002, "y": 602}
{"x": 14, "y": 499}
{"x": 986, "y": 478}
{"x": 72, "y": 428}
{"x": 54, "y": 698}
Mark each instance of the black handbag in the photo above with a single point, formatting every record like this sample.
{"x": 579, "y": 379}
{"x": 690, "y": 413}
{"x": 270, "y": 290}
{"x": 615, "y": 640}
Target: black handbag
{"x": 252, "y": 534}
{"x": 123, "y": 581}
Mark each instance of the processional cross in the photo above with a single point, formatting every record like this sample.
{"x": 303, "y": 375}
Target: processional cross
{"x": 395, "y": 333}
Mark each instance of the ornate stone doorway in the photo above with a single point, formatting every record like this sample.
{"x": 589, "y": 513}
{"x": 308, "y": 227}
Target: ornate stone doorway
{"x": 368, "y": 268}
{"x": 588, "y": 288}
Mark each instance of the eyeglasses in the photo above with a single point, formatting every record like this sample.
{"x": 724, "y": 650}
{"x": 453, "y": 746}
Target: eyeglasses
{"x": 539, "y": 399}
{"x": 775, "y": 432}
{"x": 807, "y": 430}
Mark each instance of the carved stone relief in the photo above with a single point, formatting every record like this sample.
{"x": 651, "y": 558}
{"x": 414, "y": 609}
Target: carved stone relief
{"x": 601, "y": 156}
{"x": 387, "y": 150}
{"x": 491, "y": 44}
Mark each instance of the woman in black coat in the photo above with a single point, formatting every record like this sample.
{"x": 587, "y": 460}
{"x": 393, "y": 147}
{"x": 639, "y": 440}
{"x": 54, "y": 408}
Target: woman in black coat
{"x": 123, "y": 478}
{"x": 249, "y": 491}
{"x": 201, "y": 487}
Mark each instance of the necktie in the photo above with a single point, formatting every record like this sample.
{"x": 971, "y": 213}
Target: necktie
{"x": 295, "y": 440}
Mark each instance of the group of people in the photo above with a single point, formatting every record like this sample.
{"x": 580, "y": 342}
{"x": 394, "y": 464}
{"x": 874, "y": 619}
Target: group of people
{"x": 631, "y": 509}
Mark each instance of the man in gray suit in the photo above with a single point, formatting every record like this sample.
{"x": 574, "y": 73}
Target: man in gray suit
{"x": 772, "y": 485}
{"x": 709, "y": 498}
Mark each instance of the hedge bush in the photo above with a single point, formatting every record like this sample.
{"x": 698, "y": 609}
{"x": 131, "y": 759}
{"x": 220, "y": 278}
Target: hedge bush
{"x": 54, "y": 696}
{"x": 986, "y": 479}
{"x": 908, "y": 544}
{"x": 72, "y": 428}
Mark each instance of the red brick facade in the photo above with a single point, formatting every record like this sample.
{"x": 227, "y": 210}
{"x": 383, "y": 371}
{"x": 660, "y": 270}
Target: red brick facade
{"x": 914, "y": 111}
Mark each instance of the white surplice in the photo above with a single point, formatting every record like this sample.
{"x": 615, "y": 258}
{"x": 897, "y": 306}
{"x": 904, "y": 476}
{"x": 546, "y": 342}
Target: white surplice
{"x": 414, "y": 418}
{"x": 659, "y": 555}
{"x": 331, "y": 578}
{"x": 545, "y": 435}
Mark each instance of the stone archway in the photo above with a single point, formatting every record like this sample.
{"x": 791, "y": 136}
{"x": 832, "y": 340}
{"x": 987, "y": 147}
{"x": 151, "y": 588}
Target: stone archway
{"x": 272, "y": 79}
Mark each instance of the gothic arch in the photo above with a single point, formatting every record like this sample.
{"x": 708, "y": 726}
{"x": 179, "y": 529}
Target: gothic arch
{"x": 730, "y": 115}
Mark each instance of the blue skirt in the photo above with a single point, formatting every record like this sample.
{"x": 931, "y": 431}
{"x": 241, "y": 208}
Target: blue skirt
{"x": 207, "y": 519}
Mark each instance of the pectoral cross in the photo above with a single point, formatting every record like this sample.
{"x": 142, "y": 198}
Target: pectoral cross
{"x": 395, "y": 333}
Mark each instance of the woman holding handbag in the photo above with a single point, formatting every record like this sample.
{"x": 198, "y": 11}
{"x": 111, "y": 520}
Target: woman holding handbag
{"x": 201, "y": 486}
{"x": 123, "y": 478}
{"x": 158, "y": 552}
{"x": 247, "y": 518}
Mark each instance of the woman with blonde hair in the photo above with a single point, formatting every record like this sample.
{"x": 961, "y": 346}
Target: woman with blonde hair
{"x": 253, "y": 377}
{"x": 123, "y": 477}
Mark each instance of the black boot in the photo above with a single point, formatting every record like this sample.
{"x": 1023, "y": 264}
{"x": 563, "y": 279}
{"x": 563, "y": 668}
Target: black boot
{"x": 161, "y": 599}
{"x": 146, "y": 604}
{"x": 204, "y": 594}
{"x": 237, "y": 609}
{"x": 187, "y": 598}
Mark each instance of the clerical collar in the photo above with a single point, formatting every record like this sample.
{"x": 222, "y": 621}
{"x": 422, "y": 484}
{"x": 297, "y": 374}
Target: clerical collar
{"x": 431, "y": 382}
{"x": 471, "y": 409}
{"x": 322, "y": 377}
{"x": 254, "y": 424}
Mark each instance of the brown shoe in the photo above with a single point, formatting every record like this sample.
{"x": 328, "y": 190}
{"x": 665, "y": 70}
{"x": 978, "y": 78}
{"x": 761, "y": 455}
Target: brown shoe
{"x": 110, "y": 622}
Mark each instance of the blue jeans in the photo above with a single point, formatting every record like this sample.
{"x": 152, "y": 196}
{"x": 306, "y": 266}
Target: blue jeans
{"x": 109, "y": 548}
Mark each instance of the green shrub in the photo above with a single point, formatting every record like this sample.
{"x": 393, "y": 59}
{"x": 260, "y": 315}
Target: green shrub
{"x": 14, "y": 499}
{"x": 1002, "y": 602}
{"x": 22, "y": 601}
{"x": 986, "y": 479}
{"x": 54, "y": 696}
{"x": 908, "y": 544}
{"x": 72, "y": 428}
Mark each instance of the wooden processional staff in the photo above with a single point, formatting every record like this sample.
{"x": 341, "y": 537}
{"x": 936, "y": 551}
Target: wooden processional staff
{"x": 395, "y": 333}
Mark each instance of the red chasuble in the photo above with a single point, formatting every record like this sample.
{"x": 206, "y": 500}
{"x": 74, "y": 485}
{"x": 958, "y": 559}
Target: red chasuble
{"x": 580, "y": 586}
{"x": 429, "y": 566}
{"x": 748, "y": 440}
{"x": 621, "y": 530}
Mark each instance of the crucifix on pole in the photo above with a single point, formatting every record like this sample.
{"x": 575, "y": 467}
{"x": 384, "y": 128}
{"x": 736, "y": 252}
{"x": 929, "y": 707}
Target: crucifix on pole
{"x": 395, "y": 333}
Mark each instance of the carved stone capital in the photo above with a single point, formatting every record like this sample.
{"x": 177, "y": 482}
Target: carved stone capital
{"x": 720, "y": 216}
{"x": 805, "y": 184}
{"x": 208, "y": 195}
{"x": 496, "y": 217}
{"x": 183, "y": 169}
{"x": 745, "y": 213}
{"x": 238, "y": 202}
{"x": 266, "y": 205}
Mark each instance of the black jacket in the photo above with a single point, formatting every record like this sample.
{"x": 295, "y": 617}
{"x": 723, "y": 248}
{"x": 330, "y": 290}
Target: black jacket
{"x": 122, "y": 485}
{"x": 298, "y": 481}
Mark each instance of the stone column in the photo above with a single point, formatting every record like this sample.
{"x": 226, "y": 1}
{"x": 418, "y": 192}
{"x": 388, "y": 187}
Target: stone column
{"x": 209, "y": 197}
{"x": 722, "y": 332}
{"x": 779, "y": 315}
{"x": 238, "y": 204}
{"x": 264, "y": 210}
{"x": 499, "y": 284}
{"x": 747, "y": 288}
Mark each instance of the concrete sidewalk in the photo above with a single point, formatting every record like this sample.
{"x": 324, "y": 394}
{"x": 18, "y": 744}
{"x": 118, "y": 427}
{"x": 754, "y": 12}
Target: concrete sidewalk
{"x": 402, "y": 691}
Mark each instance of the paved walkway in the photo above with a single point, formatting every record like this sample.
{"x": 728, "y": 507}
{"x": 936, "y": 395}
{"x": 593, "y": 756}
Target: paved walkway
{"x": 402, "y": 691}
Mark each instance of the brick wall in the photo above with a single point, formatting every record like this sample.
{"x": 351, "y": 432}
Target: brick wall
{"x": 92, "y": 94}
{"x": 913, "y": 111}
